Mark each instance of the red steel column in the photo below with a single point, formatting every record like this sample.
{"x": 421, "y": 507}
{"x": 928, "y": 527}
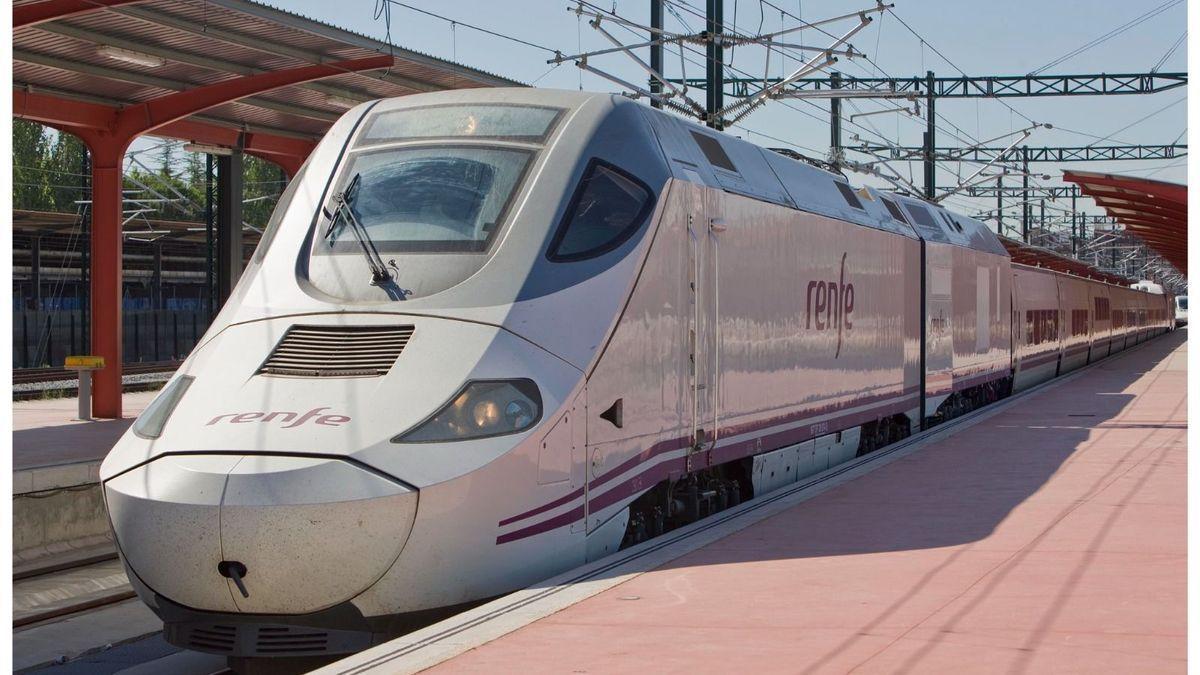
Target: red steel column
{"x": 106, "y": 277}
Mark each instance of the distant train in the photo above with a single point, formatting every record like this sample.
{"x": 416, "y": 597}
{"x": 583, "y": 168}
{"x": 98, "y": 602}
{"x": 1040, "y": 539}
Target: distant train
{"x": 492, "y": 334}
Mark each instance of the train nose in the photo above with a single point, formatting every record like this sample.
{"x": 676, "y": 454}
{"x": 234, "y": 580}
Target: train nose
{"x": 256, "y": 533}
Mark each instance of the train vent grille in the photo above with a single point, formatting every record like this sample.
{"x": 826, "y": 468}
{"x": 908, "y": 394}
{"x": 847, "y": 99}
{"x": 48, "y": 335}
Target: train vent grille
{"x": 290, "y": 640}
{"x": 214, "y": 638}
{"x": 337, "y": 351}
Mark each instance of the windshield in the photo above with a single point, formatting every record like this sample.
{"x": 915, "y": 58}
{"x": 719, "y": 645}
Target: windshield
{"x": 1182, "y": 302}
{"x": 430, "y": 199}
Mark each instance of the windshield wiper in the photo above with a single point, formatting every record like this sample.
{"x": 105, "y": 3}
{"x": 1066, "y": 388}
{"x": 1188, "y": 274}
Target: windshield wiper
{"x": 343, "y": 200}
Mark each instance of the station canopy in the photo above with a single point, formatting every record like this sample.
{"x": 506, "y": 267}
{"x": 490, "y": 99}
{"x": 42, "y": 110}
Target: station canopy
{"x": 228, "y": 73}
{"x": 1036, "y": 256}
{"x": 122, "y": 53}
{"x": 1154, "y": 211}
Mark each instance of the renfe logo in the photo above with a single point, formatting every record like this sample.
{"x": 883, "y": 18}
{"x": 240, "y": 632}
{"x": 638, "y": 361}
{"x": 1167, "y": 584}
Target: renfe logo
{"x": 290, "y": 420}
{"x": 830, "y": 304}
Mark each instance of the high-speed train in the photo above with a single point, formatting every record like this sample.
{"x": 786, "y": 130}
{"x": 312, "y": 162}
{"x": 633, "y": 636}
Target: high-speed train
{"x": 490, "y": 335}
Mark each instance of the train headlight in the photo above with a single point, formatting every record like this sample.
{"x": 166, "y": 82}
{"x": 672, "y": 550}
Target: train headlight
{"x": 481, "y": 409}
{"x": 152, "y": 420}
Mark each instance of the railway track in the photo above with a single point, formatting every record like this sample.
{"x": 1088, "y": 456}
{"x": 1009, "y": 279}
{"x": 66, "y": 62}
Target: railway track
{"x": 38, "y": 382}
{"x": 61, "y": 590}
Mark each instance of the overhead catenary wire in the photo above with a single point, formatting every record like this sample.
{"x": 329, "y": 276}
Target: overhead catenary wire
{"x": 1170, "y": 51}
{"x": 683, "y": 10}
{"x": 474, "y": 27}
{"x": 1139, "y": 120}
{"x": 737, "y": 71}
{"x": 1136, "y": 21}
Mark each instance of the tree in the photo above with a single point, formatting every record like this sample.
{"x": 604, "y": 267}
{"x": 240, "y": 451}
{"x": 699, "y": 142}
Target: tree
{"x": 65, "y": 166}
{"x": 31, "y": 181}
{"x": 263, "y": 182}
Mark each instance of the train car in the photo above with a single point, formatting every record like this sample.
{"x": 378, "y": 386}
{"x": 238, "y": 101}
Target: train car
{"x": 1100, "y": 304}
{"x": 1075, "y": 311}
{"x": 968, "y": 359}
{"x": 492, "y": 334}
{"x": 1180, "y": 310}
{"x": 1120, "y": 318}
{"x": 1037, "y": 328}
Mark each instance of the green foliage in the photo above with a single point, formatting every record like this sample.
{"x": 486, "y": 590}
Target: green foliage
{"x": 48, "y": 166}
{"x": 31, "y": 181}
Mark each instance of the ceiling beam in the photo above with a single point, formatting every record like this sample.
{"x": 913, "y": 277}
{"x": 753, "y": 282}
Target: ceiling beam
{"x": 197, "y": 60}
{"x": 134, "y": 77}
{"x": 250, "y": 42}
{"x": 75, "y": 96}
{"x": 50, "y": 10}
{"x": 147, "y": 116}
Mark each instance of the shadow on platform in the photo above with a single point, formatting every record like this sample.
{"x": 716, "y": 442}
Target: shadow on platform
{"x": 957, "y": 490}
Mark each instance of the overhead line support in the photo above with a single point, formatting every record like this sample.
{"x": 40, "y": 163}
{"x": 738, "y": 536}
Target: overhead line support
{"x": 714, "y": 67}
{"x": 988, "y": 86}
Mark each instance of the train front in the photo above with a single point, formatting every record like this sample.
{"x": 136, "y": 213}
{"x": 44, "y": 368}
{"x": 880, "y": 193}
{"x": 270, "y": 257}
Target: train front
{"x": 330, "y": 465}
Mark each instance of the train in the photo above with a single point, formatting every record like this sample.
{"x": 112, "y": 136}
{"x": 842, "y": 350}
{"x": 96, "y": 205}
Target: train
{"x": 490, "y": 335}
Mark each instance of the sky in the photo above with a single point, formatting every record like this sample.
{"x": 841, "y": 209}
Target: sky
{"x": 980, "y": 38}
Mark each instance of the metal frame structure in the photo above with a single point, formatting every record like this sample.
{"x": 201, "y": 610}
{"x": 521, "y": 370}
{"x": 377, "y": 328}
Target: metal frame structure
{"x": 1087, "y": 153}
{"x": 986, "y": 86}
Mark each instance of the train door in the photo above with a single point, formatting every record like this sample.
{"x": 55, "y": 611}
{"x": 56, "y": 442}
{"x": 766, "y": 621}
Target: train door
{"x": 705, "y": 226}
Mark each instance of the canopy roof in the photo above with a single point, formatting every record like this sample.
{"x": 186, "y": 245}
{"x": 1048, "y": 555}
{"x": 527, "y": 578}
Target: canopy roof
{"x": 1154, "y": 211}
{"x": 1036, "y": 256}
{"x": 121, "y": 53}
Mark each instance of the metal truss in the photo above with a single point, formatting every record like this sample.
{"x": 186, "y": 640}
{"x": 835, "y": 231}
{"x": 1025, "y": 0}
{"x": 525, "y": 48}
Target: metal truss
{"x": 1092, "y": 153}
{"x": 670, "y": 94}
{"x": 987, "y": 86}
{"x": 1046, "y": 192}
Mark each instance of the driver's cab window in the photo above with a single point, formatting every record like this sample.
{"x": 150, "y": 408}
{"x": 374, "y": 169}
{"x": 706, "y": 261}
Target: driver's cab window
{"x": 431, "y": 199}
{"x": 608, "y": 207}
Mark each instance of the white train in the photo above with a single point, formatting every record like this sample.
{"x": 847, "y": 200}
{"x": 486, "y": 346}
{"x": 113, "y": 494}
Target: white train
{"x": 492, "y": 334}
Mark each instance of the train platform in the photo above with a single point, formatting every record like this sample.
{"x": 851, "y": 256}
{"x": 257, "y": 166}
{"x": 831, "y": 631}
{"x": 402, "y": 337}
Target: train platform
{"x": 62, "y": 548}
{"x": 47, "y": 433}
{"x": 1044, "y": 533}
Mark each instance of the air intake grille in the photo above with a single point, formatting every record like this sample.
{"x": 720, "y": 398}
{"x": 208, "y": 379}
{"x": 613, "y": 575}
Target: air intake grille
{"x": 281, "y": 640}
{"x": 337, "y": 351}
{"x": 220, "y": 639}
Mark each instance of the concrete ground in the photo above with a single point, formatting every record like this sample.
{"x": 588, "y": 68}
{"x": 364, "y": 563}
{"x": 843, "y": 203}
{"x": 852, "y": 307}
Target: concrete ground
{"x": 45, "y": 432}
{"x": 1050, "y": 537}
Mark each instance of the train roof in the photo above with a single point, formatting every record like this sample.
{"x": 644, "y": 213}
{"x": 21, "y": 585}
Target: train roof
{"x": 702, "y": 155}
{"x": 722, "y": 161}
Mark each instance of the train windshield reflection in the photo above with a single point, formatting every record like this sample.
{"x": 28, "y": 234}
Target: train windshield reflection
{"x": 431, "y": 199}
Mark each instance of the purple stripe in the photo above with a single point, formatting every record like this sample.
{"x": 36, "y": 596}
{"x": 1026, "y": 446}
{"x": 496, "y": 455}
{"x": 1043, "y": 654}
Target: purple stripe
{"x": 670, "y": 445}
{"x": 967, "y": 379}
{"x": 782, "y": 439}
{"x": 655, "y": 450}
{"x": 1077, "y": 349}
{"x": 653, "y": 474}
{"x": 1039, "y": 360}
{"x": 544, "y": 526}
{"x": 805, "y": 413}
{"x": 982, "y": 378}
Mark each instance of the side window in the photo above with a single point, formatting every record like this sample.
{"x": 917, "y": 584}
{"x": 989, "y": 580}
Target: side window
{"x": 608, "y": 207}
{"x": 894, "y": 210}
{"x": 848, "y": 195}
{"x": 713, "y": 151}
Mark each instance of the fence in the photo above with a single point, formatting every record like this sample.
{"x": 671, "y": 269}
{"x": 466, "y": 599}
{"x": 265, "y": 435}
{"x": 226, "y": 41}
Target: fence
{"x": 44, "y": 338}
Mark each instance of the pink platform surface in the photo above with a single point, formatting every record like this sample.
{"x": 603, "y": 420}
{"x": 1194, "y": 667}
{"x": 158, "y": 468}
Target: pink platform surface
{"x": 45, "y": 432}
{"x": 1049, "y": 537}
